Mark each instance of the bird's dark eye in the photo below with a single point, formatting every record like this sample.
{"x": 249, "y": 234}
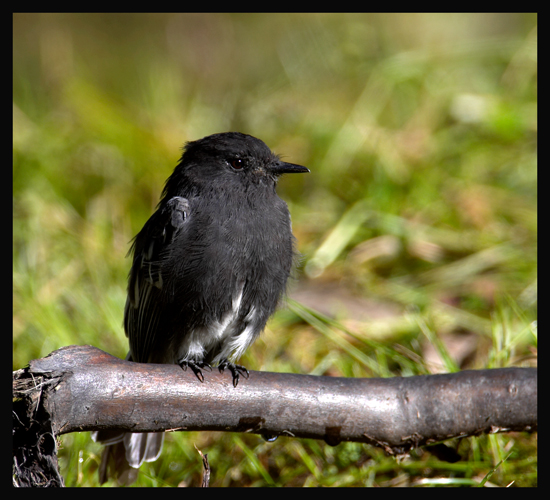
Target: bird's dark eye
{"x": 237, "y": 164}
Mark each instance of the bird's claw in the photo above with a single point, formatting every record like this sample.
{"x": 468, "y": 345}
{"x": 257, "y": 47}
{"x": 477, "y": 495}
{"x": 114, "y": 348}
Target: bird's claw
{"x": 196, "y": 367}
{"x": 236, "y": 371}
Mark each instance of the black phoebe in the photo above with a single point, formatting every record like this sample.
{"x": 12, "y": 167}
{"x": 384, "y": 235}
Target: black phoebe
{"x": 209, "y": 268}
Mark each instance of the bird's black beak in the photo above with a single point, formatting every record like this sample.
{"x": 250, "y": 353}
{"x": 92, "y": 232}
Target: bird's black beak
{"x": 287, "y": 168}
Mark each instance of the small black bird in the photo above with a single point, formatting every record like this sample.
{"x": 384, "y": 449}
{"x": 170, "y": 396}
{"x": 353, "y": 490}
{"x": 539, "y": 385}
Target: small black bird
{"x": 209, "y": 268}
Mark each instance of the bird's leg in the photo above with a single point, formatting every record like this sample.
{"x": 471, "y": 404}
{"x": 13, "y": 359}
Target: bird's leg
{"x": 236, "y": 370}
{"x": 195, "y": 366}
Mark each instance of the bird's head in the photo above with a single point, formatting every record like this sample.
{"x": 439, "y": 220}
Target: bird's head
{"x": 229, "y": 158}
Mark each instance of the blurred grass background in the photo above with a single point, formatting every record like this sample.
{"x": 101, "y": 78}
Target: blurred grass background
{"x": 417, "y": 225}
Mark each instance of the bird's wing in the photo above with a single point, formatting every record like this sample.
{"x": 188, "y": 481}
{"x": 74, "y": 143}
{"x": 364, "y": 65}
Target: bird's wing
{"x": 143, "y": 310}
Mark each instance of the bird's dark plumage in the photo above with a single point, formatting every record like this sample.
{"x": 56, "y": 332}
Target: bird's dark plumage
{"x": 209, "y": 266}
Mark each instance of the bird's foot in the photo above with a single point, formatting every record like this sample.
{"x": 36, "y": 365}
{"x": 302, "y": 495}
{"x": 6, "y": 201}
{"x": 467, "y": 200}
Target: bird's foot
{"x": 236, "y": 370}
{"x": 195, "y": 366}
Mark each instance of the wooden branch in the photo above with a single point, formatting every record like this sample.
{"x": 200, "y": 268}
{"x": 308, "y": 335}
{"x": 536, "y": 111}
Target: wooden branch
{"x": 81, "y": 388}
{"x": 88, "y": 389}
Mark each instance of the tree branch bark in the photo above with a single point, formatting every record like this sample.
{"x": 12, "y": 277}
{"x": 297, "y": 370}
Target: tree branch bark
{"x": 81, "y": 388}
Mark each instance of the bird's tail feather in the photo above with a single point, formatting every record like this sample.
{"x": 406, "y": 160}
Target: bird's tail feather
{"x": 125, "y": 452}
